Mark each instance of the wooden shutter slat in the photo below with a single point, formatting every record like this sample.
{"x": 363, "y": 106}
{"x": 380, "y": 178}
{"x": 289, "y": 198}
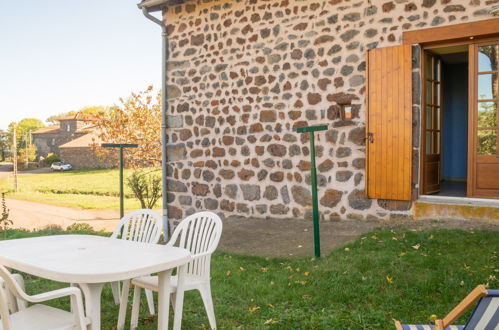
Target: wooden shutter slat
{"x": 389, "y": 118}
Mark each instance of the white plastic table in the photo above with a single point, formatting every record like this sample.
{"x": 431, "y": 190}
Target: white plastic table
{"x": 91, "y": 261}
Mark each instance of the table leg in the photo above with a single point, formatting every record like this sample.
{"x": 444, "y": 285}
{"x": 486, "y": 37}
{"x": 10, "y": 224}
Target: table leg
{"x": 163, "y": 298}
{"x": 92, "y": 293}
{"x": 179, "y": 299}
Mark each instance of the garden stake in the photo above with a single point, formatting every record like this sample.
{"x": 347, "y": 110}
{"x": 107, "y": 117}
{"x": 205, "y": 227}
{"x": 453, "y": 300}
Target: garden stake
{"x": 313, "y": 180}
{"x": 122, "y": 164}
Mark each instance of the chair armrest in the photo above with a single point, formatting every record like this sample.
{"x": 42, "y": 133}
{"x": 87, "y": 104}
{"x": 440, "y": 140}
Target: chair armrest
{"x": 477, "y": 293}
{"x": 64, "y": 292}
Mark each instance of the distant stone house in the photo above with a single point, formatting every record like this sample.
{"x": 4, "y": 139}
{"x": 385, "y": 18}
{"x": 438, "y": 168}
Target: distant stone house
{"x": 408, "y": 89}
{"x": 49, "y": 139}
{"x": 73, "y": 141}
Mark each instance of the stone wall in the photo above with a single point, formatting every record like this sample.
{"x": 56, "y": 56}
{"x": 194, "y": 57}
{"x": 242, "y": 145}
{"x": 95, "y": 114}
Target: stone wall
{"x": 83, "y": 157}
{"x": 244, "y": 74}
{"x": 49, "y": 142}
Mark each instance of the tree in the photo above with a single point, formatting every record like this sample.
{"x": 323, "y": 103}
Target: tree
{"x": 4, "y": 145}
{"x": 97, "y": 110}
{"x": 136, "y": 119}
{"x": 24, "y": 128}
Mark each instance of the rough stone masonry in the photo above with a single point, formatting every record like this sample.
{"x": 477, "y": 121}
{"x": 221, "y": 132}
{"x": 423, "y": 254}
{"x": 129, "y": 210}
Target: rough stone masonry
{"x": 244, "y": 73}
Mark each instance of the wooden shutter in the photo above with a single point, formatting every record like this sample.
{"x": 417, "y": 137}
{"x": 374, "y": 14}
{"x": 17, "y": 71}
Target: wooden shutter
{"x": 389, "y": 123}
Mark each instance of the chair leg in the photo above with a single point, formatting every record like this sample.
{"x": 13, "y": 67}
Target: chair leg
{"x": 150, "y": 301}
{"x": 115, "y": 286}
{"x": 135, "y": 308}
{"x": 123, "y": 304}
{"x": 173, "y": 299}
{"x": 205, "y": 291}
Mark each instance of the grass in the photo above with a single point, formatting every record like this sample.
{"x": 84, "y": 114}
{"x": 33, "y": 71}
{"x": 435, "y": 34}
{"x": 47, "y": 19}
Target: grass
{"x": 87, "y": 189}
{"x": 406, "y": 275}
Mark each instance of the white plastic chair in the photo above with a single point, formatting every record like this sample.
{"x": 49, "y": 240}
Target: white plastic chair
{"x": 138, "y": 226}
{"x": 199, "y": 234}
{"x": 13, "y": 303}
{"x": 38, "y": 316}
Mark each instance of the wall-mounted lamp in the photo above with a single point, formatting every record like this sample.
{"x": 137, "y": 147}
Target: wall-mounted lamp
{"x": 346, "y": 111}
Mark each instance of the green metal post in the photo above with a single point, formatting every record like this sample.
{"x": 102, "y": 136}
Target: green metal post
{"x": 313, "y": 179}
{"x": 122, "y": 164}
{"x": 315, "y": 203}
{"x": 122, "y": 202}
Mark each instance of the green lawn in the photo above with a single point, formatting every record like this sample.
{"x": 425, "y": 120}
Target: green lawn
{"x": 383, "y": 275}
{"x": 88, "y": 189}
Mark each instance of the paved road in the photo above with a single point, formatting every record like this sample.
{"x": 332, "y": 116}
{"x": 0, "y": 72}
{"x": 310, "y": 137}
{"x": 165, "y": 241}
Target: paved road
{"x": 5, "y": 171}
{"x": 29, "y": 215}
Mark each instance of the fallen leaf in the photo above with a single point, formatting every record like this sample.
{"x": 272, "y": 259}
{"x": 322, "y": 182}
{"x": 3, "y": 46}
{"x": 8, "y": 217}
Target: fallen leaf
{"x": 253, "y": 309}
{"x": 264, "y": 269}
{"x": 432, "y": 317}
{"x": 269, "y": 321}
{"x": 461, "y": 283}
{"x": 416, "y": 247}
{"x": 347, "y": 249}
{"x": 228, "y": 273}
{"x": 306, "y": 296}
{"x": 306, "y": 273}
{"x": 389, "y": 279}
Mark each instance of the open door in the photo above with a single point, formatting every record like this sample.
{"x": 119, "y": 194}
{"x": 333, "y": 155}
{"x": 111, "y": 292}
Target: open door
{"x": 389, "y": 123}
{"x": 484, "y": 121}
{"x": 432, "y": 123}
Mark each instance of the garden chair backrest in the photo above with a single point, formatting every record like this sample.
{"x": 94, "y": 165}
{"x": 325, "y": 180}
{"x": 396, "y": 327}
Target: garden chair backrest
{"x": 11, "y": 286}
{"x": 486, "y": 313}
{"x": 199, "y": 233}
{"x": 140, "y": 226}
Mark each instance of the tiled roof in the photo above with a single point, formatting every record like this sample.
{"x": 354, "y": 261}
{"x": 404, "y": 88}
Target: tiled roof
{"x": 78, "y": 116}
{"x": 154, "y": 5}
{"x": 48, "y": 129}
{"x": 86, "y": 140}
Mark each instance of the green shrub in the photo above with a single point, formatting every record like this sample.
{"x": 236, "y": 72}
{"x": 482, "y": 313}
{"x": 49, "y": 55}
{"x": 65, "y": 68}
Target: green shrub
{"x": 52, "y": 227}
{"x": 51, "y": 158}
{"x": 80, "y": 227}
{"x": 146, "y": 187}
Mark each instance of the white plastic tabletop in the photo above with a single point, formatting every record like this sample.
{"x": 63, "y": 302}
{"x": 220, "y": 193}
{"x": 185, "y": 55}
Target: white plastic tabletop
{"x": 87, "y": 258}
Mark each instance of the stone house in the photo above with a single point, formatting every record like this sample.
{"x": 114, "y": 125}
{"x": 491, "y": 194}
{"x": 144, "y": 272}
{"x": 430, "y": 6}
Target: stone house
{"x": 81, "y": 153}
{"x": 419, "y": 76}
{"x": 49, "y": 139}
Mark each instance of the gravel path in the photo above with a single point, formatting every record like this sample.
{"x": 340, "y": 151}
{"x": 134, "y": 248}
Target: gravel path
{"x": 29, "y": 215}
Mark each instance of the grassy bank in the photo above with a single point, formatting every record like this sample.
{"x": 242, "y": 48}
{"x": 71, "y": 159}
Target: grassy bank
{"x": 383, "y": 275}
{"x": 88, "y": 189}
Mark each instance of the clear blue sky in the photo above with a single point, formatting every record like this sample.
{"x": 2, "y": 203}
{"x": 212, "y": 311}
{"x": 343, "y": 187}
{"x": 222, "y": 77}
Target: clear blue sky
{"x": 60, "y": 55}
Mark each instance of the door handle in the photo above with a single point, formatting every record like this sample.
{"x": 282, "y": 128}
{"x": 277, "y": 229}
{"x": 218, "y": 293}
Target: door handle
{"x": 370, "y": 137}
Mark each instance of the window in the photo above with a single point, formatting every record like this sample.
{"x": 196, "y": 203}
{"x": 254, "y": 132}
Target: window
{"x": 68, "y": 127}
{"x": 53, "y": 141}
